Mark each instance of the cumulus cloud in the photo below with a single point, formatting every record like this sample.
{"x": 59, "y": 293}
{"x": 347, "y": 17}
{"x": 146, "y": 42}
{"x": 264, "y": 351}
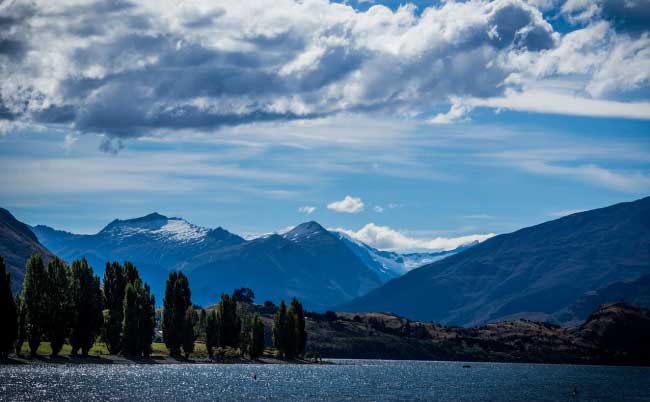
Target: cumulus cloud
{"x": 351, "y": 205}
{"x": 307, "y": 210}
{"x": 626, "y": 15}
{"x": 385, "y": 238}
{"x": 455, "y": 113}
{"x": 129, "y": 69}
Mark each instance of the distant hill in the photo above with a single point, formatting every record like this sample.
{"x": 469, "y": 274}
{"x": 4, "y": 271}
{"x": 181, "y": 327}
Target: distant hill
{"x": 542, "y": 272}
{"x": 17, "y": 244}
{"x": 613, "y": 334}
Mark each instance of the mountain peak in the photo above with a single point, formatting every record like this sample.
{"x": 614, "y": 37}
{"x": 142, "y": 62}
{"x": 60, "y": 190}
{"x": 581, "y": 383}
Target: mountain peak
{"x": 305, "y": 230}
{"x": 154, "y": 216}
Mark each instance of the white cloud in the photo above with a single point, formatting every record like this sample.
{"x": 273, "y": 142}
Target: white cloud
{"x": 479, "y": 216}
{"x": 621, "y": 181}
{"x": 456, "y": 112}
{"x": 378, "y": 208}
{"x": 79, "y": 65}
{"x": 553, "y": 102}
{"x": 385, "y": 238}
{"x": 307, "y": 210}
{"x": 351, "y": 205}
{"x": 564, "y": 212}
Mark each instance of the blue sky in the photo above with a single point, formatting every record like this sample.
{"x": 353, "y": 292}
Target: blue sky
{"x": 452, "y": 120}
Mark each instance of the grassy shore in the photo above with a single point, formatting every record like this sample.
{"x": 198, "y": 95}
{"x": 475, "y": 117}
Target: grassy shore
{"x": 160, "y": 355}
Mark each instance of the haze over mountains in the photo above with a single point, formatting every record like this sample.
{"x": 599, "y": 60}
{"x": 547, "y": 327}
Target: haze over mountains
{"x": 557, "y": 271}
{"x": 320, "y": 267}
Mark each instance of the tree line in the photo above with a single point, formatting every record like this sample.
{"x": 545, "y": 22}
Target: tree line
{"x": 61, "y": 302}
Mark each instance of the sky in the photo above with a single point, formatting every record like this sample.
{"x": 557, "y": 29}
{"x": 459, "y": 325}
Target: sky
{"x": 410, "y": 126}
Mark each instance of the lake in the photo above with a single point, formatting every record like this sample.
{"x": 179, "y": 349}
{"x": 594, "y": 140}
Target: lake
{"x": 348, "y": 380}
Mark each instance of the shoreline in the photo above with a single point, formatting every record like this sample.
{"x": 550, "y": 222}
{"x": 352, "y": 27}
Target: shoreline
{"x": 123, "y": 360}
{"x": 265, "y": 360}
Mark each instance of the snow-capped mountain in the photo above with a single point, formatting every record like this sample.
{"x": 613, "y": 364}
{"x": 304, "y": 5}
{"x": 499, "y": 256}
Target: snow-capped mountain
{"x": 307, "y": 262}
{"x": 155, "y": 243}
{"x": 390, "y": 264}
{"x": 320, "y": 267}
{"x": 158, "y": 227}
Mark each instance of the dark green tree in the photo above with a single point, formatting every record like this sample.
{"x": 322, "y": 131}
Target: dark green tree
{"x": 300, "y": 334}
{"x": 188, "y": 332}
{"x": 59, "y": 304}
{"x": 281, "y": 329}
{"x": 34, "y": 301}
{"x": 147, "y": 319}
{"x": 8, "y": 316}
{"x": 228, "y": 322}
{"x": 177, "y": 299}
{"x": 87, "y": 318}
{"x": 170, "y": 335}
{"x": 130, "y": 328}
{"x": 114, "y": 286}
{"x": 256, "y": 334}
{"x": 131, "y": 273}
{"x": 20, "y": 324}
{"x": 211, "y": 332}
{"x": 243, "y": 295}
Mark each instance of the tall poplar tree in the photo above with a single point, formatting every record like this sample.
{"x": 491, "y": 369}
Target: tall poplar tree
{"x": 114, "y": 286}
{"x": 8, "y": 316}
{"x": 280, "y": 329}
{"x": 177, "y": 299}
{"x": 256, "y": 337}
{"x": 300, "y": 334}
{"x": 228, "y": 322}
{"x": 20, "y": 324}
{"x": 211, "y": 332}
{"x": 147, "y": 325}
{"x": 34, "y": 301}
{"x": 130, "y": 330}
{"x": 58, "y": 304}
{"x": 87, "y": 317}
{"x": 188, "y": 332}
{"x": 170, "y": 335}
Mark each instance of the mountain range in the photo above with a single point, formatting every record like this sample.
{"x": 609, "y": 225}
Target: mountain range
{"x": 320, "y": 267}
{"x": 556, "y": 271}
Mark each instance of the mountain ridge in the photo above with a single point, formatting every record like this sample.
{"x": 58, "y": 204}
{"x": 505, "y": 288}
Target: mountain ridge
{"x": 217, "y": 258}
{"x": 17, "y": 244}
{"x": 534, "y": 272}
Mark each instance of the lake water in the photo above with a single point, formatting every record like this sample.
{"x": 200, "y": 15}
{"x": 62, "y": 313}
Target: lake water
{"x": 348, "y": 380}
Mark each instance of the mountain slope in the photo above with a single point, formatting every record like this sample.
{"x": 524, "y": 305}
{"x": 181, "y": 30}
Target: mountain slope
{"x": 535, "y": 272}
{"x": 17, "y": 244}
{"x": 307, "y": 262}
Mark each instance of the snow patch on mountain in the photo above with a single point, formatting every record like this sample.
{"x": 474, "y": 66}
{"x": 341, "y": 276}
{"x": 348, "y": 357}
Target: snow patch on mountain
{"x": 158, "y": 227}
{"x": 390, "y": 264}
{"x": 181, "y": 230}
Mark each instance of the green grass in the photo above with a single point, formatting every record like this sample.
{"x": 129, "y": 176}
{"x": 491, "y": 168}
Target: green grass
{"x": 44, "y": 349}
{"x": 100, "y": 349}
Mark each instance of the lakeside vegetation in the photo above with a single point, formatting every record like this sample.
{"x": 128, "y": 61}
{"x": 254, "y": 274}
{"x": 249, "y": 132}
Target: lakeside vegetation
{"x": 63, "y": 310}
